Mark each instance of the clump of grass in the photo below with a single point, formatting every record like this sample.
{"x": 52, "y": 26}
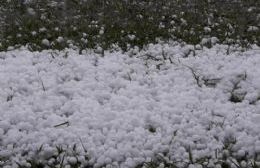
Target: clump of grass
{"x": 237, "y": 95}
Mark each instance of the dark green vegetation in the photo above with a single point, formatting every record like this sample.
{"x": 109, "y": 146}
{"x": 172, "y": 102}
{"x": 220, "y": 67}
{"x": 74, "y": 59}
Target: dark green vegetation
{"x": 57, "y": 24}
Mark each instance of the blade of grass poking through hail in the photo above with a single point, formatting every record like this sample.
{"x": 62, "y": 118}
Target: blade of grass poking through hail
{"x": 62, "y": 124}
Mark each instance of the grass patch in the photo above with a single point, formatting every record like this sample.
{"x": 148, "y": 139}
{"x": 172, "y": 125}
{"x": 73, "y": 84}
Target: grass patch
{"x": 53, "y": 24}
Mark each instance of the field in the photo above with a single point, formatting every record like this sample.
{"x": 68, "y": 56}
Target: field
{"x": 129, "y": 84}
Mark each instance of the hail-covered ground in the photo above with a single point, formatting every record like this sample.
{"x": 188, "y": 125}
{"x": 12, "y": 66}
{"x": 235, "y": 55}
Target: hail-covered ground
{"x": 125, "y": 109}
